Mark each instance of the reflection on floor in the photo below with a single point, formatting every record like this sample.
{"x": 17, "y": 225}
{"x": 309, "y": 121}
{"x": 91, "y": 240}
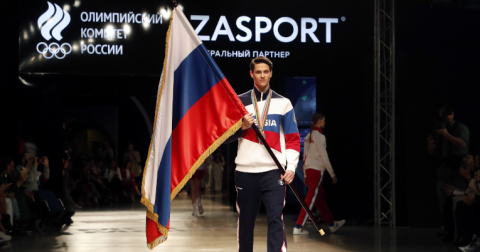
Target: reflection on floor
{"x": 121, "y": 229}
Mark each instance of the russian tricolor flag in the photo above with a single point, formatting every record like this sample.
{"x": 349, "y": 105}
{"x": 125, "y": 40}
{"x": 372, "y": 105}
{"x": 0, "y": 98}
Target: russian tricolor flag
{"x": 197, "y": 110}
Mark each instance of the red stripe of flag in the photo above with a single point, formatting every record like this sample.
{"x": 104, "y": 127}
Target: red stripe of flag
{"x": 206, "y": 121}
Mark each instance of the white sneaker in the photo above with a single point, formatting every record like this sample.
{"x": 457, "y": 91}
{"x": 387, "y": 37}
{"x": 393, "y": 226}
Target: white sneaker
{"x": 472, "y": 247}
{"x": 300, "y": 231}
{"x": 336, "y": 225}
{"x": 5, "y": 237}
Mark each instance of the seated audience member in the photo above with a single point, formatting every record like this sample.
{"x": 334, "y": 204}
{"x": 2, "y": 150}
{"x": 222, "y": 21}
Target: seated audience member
{"x": 462, "y": 211}
{"x": 96, "y": 179}
{"x": 16, "y": 189}
{"x": 467, "y": 215}
{"x": 112, "y": 179}
{"x": 7, "y": 165}
{"x": 85, "y": 185}
{"x": 33, "y": 182}
{"x": 128, "y": 180}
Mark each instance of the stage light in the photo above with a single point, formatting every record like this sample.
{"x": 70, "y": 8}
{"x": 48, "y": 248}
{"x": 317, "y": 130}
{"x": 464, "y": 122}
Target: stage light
{"x": 165, "y": 13}
{"x": 110, "y": 32}
{"x": 126, "y": 29}
{"x": 145, "y": 24}
{"x": 77, "y": 3}
{"x": 66, "y": 7}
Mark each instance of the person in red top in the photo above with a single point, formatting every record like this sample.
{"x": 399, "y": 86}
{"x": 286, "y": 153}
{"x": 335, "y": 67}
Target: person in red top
{"x": 128, "y": 180}
{"x": 316, "y": 162}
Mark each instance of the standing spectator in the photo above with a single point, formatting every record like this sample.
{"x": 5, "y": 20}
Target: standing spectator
{"x": 128, "y": 180}
{"x": 217, "y": 170}
{"x": 316, "y": 162}
{"x": 451, "y": 146}
{"x": 134, "y": 157}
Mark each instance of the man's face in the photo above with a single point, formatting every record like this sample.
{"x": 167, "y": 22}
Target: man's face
{"x": 261, "y": 75}
{"x": 29, "y": 158}
{"x": 447, "y": 118}
{"x": 130, "y": 147}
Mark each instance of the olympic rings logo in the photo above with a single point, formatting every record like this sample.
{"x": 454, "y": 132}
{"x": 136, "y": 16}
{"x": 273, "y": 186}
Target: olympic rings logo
{"x": 54, "y": 49}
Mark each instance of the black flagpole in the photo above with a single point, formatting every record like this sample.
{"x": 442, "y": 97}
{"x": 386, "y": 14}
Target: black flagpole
{"x": 294, "y": 189}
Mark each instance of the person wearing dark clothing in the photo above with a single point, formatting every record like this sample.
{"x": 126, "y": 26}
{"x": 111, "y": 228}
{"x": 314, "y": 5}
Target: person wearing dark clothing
{"x": 450, "y": 146}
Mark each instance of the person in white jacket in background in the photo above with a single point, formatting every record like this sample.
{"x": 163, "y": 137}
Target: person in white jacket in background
{"x": 316, "y": 161}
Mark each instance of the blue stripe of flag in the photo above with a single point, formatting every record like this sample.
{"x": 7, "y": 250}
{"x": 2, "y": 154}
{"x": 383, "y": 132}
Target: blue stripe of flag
{"x": 192, "y": 80}
{"x": 162, "y": 199}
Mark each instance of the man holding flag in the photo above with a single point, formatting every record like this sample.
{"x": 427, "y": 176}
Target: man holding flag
{"x": 192, "y": 88}
{"x": 257, "y": 177}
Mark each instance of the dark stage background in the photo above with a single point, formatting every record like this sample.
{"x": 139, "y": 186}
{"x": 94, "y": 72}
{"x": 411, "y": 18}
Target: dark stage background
{"x": 110, "y": 94}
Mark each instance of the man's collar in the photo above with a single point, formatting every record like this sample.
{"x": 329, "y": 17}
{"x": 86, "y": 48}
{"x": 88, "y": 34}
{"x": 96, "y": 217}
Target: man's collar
{"x": 258, "y": 94}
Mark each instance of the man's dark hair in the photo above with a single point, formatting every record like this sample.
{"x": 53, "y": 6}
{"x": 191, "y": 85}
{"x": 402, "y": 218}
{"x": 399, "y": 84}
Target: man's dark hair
{"x": 259, "y": 60}
{"x": 446, "y": 110}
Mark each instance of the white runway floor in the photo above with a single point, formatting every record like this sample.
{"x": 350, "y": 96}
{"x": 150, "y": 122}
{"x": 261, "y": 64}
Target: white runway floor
{"x": 122, "y": 228}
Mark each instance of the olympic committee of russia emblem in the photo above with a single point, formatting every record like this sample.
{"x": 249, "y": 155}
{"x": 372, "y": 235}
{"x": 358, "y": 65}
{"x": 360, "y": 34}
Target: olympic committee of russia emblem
{"x": 51, "y": 24}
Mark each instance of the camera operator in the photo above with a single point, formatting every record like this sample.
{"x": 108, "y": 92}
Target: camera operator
{"x": 451, "y": 146}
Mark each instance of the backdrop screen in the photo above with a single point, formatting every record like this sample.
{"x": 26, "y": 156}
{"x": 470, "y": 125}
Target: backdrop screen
{"x": 128, "y": 37}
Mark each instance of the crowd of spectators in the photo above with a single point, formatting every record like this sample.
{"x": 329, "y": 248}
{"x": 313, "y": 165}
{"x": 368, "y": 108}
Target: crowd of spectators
{"x": 100, "y": 180}
{"x": 29, "y": 203}
{"x": 26, "y": 203}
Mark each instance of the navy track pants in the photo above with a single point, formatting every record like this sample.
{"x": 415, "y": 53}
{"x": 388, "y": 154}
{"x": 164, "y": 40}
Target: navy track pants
{"x": 252, "y": 189}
